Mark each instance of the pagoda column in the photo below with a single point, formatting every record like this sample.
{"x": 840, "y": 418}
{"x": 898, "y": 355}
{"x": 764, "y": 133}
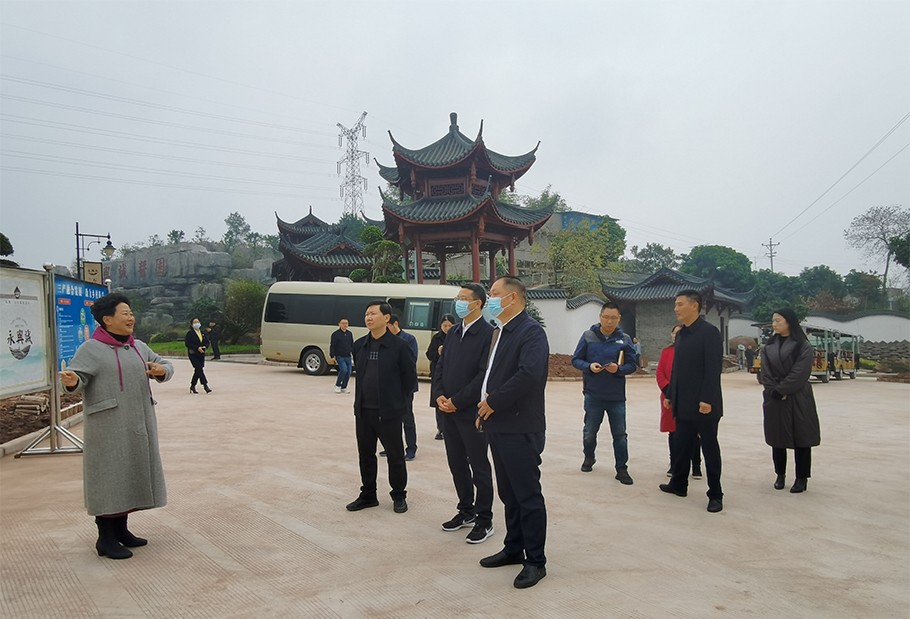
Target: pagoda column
{"x": 407, "y": 267}
{"x": 441, "y": 256}
{"x": 492, "y": 266}
{"x": 418, "y": 258}
{"x": 475, "y": 257}
{"x": 512, "y": 270}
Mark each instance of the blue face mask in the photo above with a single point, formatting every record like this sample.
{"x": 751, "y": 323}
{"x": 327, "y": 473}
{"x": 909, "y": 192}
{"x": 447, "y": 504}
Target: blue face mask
{"x": 494, "y": 306}
{"x": 461, "y": 308}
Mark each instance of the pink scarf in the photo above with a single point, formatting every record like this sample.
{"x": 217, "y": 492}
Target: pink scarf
{"x": 106, "y": 338}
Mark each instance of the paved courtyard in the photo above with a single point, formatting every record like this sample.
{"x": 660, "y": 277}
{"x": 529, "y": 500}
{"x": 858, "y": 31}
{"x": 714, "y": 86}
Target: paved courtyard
{"x": 259, "y": 472}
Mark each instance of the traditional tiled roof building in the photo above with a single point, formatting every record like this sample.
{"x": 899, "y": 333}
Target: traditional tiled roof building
{"x": 313, "y": 250}
{"x": 453, "y": 188}
{"x": 647, "y": 307}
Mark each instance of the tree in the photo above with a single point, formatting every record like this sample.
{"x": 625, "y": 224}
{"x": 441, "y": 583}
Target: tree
{"x": 776, "y": 290}
{"x": 351, "y": 225}
{"x": 200, "y": 236}
{"x": 873, "y": 231}
{"x": 547, "y": 199}
{"x": 822, "y": 278}
{"x": 866, "y": 288}
{"x": 6, "y": 249}
{"x": 652, "y": 257}
{"x": 155, "y": 241}
{"x": 205, "y": 310}
{"x": 729, "y": 268}
{"x": 578, "y": 254}
{"x": 175, "y": 236}
{"x": 237, "y": 231}
{"x": 900, "y": 250}
{"x": 244, "y": 300}
{"x": 385, "y": 255}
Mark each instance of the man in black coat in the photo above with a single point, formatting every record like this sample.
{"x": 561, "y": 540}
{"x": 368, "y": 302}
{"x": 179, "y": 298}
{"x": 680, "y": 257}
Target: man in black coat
{"x": 457, "y": 379}
{"x": 695, "y": 397}
{"x": 386, "y": 373}
{"x": 511, "y": 413}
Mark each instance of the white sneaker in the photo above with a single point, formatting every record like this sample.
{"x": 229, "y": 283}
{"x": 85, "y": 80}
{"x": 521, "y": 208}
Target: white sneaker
{"x": 337, "y": 389}
{"x": 345, "y": 391}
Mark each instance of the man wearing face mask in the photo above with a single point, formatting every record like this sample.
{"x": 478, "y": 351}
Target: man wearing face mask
{"x": 511, "y": 412}
{"x": 196, "y": 342}
{"x": 456, "y": 391}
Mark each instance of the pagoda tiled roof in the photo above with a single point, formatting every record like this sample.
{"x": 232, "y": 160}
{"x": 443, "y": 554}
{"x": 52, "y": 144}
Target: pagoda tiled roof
{"x": 453, "y": 148}
{"x": 455, "y": 208}
{"x": 326, "y": 249}
{"x": 665, "y": 284}
{"x": 308, "y": 225}
{"x": 388, "y": 173}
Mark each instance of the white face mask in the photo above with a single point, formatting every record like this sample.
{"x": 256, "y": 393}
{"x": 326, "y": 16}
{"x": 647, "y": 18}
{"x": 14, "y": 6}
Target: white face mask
{"x": 196, "y": 325}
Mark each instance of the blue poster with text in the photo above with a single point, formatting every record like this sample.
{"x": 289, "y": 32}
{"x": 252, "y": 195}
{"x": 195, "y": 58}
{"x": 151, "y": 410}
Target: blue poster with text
{"x": 73, "y": 300}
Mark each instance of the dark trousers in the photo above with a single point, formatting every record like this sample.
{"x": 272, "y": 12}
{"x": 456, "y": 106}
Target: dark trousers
{"x": 466, "y": 451}
{"x": 517, "y": 461}
{"x": 686, "y": 435}
{"x": 410, "y": 427}
{"x": 198, "y": 362}
{"x": 369, "y": 428}
{"x": 696, "y": 454}
{"x": 803, "y": 457}
{"x": 440, "y": 420}
{"x": 216, "y": 351}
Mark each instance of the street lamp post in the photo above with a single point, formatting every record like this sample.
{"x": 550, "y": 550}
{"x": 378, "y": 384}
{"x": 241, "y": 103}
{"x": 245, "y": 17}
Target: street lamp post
{"x": 108, "y": 250}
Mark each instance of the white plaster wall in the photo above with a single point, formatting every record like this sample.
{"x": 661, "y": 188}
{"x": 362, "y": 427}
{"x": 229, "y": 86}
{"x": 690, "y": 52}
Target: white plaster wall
{"x": 873, "y": 328}
{"x": 564, "y": 326}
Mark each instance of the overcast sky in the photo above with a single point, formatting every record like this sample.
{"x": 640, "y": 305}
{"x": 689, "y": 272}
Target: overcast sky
{"x": 691, "y": 122}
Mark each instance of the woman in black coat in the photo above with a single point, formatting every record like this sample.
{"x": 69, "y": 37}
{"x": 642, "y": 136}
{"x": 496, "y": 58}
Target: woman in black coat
{"x": 434, "y": 351}
{"x": 791, "y": 418}
{"x": 196, "y": 344}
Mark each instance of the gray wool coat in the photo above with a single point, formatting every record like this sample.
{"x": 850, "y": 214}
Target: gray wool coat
{"x": 793, "y": 421}
{"x": 121, "y": 464}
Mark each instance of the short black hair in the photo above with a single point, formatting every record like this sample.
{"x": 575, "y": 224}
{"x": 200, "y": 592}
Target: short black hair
{"x": 107, "y": 306}
{"x": 384, "y": 307}
{"x": 450, "y": 317}
{"x": 609, "y": 305}
{"x": 692, "y": 295}
{"x": 393, "y": 318}
{"x": 477, "y": 290}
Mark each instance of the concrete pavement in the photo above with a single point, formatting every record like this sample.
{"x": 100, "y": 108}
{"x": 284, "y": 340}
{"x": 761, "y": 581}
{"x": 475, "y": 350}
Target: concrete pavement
{"x": 259, "y": 472}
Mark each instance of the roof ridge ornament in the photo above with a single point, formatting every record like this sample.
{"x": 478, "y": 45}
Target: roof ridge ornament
{"x": 453, "y": 119}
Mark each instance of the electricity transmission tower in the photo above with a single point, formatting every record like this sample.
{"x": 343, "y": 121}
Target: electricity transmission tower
{"x": 354, "y": 184}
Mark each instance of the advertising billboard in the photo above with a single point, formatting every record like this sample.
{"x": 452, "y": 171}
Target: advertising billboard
{"x": 73, "y": 301}
{"x": 25, "y": 358}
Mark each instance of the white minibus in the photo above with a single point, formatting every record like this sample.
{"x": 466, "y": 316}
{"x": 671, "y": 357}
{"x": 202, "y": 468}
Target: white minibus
{"x": 299, "y": 317}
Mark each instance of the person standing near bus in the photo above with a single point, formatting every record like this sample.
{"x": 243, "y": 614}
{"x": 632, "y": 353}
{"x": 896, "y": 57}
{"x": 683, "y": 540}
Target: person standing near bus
{"x": 341, "y": 349}
{"x": 410, "y": 426}
{"x": 386, "y": 373}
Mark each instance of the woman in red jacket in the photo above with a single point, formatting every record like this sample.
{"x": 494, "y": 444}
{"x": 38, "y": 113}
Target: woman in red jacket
{"x": 667, "y": 423}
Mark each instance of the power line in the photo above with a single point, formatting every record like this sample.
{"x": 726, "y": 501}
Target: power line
{"x": 869, "y": 152}
{"x": 157, "y": 106}
{"x": 124, "y": 151}
{"x": 166, "y": 185}
{"x": 849, "y": 192}
{"x": 129, "y": 168}
{"x": 162, "y": 123}
{"x": 25, "y": 120}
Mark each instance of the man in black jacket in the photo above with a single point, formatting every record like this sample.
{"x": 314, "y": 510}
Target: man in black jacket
{"x": 457, "y": 379}
{"x": 511, "y": 413}
{"x": 341, "y": 349}
{"x": 695, "y": 397}
{"x": 385, "y": 375}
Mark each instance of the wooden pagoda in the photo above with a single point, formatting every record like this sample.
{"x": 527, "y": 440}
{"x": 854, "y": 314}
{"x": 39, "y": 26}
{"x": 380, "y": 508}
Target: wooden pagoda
{"x": 313, "y": 250}
{"x": 450, "y": 203}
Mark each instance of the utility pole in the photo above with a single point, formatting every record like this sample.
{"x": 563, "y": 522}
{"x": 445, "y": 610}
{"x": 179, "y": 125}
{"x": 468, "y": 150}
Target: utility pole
{"x": 771, "y": 253}
{"x": 354, "y": 184}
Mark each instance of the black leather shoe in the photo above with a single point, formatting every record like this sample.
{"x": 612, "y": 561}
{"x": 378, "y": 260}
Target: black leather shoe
{"x": 800, "y": 485}
{"x": 206, "y": 387}
{"x": 623, "y": 476}
{"x": 400, "y": 506}
{"x": 588, "y": 465}
{"x": 715, "y": 505}
{"x": 193, "y": 389}
{"x": 361, "y": 503}
{"x": 529, "y": 576}
{"x": 779, "y": 483}
{"x": 672, "y": 490}
{"x": 501, "y": 558}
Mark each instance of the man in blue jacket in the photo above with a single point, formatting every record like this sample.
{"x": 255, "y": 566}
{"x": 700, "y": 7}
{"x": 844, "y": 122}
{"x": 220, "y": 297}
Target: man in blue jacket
{"x": 606, "y": 355}
{"x": 341, "y": 349}
{"x": 456, "y": 390}
{"x": 386, "y": 374}
{"x": 511, "y": 413}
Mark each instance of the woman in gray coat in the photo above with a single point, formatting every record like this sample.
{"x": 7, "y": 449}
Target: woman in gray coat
{"x": 791, "y": 419}
{"x": 121, "y": 464}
